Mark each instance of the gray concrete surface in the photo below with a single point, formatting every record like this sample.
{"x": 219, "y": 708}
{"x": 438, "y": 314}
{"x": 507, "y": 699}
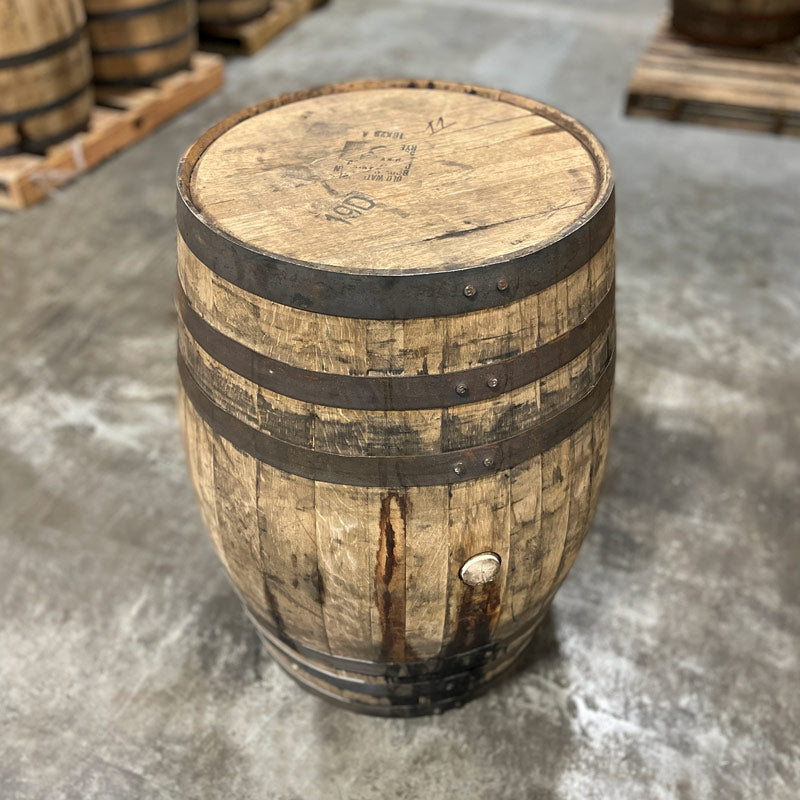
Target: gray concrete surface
{"x": 670, "y": 665}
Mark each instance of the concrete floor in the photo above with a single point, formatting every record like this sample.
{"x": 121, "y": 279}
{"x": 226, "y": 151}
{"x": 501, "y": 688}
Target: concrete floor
{"x": 670, "y": 665}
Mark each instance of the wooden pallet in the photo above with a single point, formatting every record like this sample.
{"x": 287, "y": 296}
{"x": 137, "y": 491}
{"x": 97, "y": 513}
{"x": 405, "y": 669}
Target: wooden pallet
{"x": 752, "y": 89}
{"x": 246, "y": 38}
{"x": 121, "y": 117}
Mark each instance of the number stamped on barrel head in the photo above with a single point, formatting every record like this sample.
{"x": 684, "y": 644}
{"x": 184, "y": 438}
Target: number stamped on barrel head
{"x": 354, "y": 205}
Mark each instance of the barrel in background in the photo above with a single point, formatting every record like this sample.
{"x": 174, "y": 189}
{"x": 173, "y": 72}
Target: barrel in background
{"x": 45, "y": 73}
{"x": 743, "y": 23}
{"x": 396, "y": 349}
{"x": 215, "y": 15}
{"x": 136, "y": 42}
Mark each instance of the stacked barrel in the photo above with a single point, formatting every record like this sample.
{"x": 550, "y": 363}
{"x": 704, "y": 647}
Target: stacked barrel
{"x": 740, "y": 23}
{"x": 45, "y": 73}
{"x": 52, "y": 51}
{"x": 136, "y": 42}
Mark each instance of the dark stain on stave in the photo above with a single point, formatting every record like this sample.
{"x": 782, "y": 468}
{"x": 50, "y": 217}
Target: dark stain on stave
{"x": 390, "y": 579}
{"x": 476, "y": 616}
{"x": 272, "y": 604}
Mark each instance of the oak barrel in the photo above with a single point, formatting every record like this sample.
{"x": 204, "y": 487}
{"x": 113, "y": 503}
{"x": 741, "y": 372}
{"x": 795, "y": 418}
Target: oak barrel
{"x": 216, "y": 15}
{"x": 396, "y": 350}
{"x": 136, "y": 42}
{"x": 45, "y": 73}
{"x": 742, "y": 23}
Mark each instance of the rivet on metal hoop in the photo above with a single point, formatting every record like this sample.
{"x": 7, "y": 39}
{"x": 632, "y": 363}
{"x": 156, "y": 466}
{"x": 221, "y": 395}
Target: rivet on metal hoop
{"x": 493, "y": 383}
{"x": 502, "y": 285}
{"x": 469, "y": 290}
{"x": 488, "y": 462}
{"x": 462, "y": 389}
{"x": 458, "y": 468}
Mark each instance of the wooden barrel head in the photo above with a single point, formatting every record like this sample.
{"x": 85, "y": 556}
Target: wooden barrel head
{"x": 372, "y": 181}
{"x": 439, "y": 179}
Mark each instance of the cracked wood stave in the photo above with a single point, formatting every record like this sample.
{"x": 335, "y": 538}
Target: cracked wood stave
{"x": 136, "y": 42}
{"x": 45, "y": 73}
{"x": 364, "y": 579}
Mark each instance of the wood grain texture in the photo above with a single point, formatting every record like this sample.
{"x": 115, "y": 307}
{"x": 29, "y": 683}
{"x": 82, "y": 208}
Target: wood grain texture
{"x": 427, "y": 556}
{"x": 45, "y": 93}
{"x": 357, "y": 589}
{"x": 490, "y": 176}
{"x": 415, "y": 696}
{"x": 234, "y": 481}
{"x": 431, "y": 345}
{"x": 372, "y": 574}
{"x": 288, "y": 552}
{"x": 348, "y": 535}
{"x": 356, "y": 432}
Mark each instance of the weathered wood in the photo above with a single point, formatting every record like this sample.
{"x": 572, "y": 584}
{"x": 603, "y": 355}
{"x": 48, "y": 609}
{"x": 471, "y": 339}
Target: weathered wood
{"x": 361, "y": 594}
{"x": 355, "y": 432}
{"x": 288, "y": 551}
{"x": 245, "y": 26}
{"x": 45, "y": 73}
{"x": 120, "y": 118}
{"x": 740, "y": 23}
{"x": 683, "y": 81}
{"x": 136, "y": 42}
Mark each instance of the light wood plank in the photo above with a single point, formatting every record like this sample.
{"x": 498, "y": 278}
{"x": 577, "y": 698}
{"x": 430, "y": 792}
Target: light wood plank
{"x": 287, "y": 522}
{"x": 235, "y": 485}
{"x": 427, "y": 550}
{"x": 348, "y": 535}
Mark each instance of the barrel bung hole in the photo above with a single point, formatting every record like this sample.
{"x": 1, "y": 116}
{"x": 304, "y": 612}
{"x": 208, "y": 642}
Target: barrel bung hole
{"x": 481, "y": 568}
